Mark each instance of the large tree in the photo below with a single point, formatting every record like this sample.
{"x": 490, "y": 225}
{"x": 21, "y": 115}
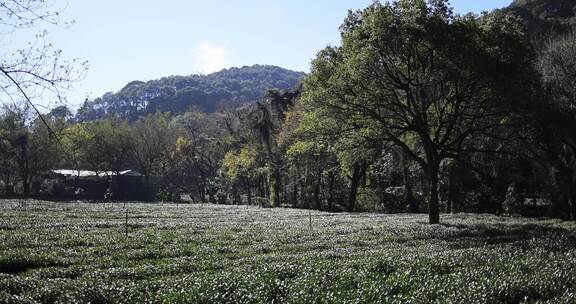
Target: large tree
{"x": 556, "y": 118}
{"x": 154, "y": 138}
{"x": 26, "y": 150}
{"x": 194, "y": 163}
{"x": 417, "y": 77}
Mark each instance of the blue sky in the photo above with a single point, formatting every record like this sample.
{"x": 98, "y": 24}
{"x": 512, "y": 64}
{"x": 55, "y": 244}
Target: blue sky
{"x": 141, "y": 40}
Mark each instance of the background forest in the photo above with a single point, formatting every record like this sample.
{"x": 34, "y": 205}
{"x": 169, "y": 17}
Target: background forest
{"x": 418, "y": 110}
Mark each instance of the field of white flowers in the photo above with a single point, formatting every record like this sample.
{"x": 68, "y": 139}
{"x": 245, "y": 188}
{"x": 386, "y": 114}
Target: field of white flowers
{"x": 79, "y": 253}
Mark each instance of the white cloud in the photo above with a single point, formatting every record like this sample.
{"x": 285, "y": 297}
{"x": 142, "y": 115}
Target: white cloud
{"x": 209, "y": 57}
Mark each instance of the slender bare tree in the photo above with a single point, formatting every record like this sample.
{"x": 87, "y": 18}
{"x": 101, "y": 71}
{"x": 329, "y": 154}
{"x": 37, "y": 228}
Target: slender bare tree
{"x": 36, "y": 73}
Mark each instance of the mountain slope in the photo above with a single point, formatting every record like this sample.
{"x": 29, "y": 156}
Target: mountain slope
{"x": 177, "y": 94}
{"x": 544, "y": 18}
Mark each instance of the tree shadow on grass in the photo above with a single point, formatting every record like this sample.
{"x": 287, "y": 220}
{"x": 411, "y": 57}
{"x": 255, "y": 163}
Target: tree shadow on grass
{"x": 520, "y": 235}
{"x": 20, "y": 265}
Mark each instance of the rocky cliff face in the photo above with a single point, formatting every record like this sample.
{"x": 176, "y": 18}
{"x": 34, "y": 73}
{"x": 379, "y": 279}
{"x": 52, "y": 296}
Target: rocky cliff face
{"x": 278, "y": 102}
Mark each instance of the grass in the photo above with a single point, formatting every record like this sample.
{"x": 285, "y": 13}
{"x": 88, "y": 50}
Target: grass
{"x": 76, "y": 252}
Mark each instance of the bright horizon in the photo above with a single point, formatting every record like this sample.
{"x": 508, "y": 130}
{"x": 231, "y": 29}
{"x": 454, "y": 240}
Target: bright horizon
{"x": 136, "y": 40}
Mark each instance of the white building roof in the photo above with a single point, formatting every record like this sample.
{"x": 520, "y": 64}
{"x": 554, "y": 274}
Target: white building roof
{"x": 87, "y": 173}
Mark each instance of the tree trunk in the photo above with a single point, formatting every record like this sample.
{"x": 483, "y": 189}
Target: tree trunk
{"x": 451, "y": 204}
{"x": 24, "y": 166}
{"x": 409, "y": 200}
{"x": 266, "y": 191}
{"x": 330, "y": 199}
{"x": 276, "y": 188}
{"x": 433, "y": 202}
{"x": 305, "y": 189}
{"x": 352, "y": 197}
{"x": 212, "y": 195}
{"x": 356, "y": 178}
{"x": 317, "y": 199}
{"x": 262, "y": 187}
{"x": 202, "y": 194}
{"x": 148, "y": 194}
{"x": 572, "y": 202}
{"x": 561, "y": 202}
{"x": 249, "y": 192}
{"x": 25, "y": 185}
{"x": 318, "y": 187}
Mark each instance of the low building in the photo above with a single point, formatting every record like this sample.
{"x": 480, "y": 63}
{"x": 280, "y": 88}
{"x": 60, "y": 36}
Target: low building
{"x": 96, "y": 174}
{"x": 124, "y": 185}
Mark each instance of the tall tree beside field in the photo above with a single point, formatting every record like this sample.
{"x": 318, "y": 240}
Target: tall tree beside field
{"x": 557, "y": 65}
{"x": 195, "y": 160}
{"x": 267, "y": 123}
{"x": 26, "y": 150}
{"x": 78, "y": 148}
{"x": 415, "y": 76}
{"x": 17, "y": 138}
{"x": 112, "y": 139}
{"x": 154, "y": 137}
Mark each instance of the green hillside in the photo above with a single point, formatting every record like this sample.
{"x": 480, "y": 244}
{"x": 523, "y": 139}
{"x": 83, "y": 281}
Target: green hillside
{"x": 544, "y": 17}
{"x": 177, "y": 94}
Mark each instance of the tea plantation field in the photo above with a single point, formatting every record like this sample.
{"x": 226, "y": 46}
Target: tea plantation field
{"x": 79, "y": 253}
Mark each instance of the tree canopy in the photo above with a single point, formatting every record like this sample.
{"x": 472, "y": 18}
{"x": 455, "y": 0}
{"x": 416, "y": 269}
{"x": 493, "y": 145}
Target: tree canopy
{"x": 413, "y": 75}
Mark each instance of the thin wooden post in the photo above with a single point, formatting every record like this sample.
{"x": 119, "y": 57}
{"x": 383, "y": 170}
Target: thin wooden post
{"x": 126, "y": 223}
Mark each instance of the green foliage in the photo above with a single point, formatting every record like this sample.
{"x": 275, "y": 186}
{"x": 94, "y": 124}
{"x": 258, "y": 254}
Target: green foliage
{"x": 241, "y": 163}
{"x": 154, "y": 139}
{"x": 368, "y": 200}
{"x": 103, "y": 145}
{"x": 76, "y": 140}
{"x": 26, "y": 150}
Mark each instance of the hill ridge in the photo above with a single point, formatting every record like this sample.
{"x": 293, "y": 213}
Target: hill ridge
{"x": 177, "y": 93}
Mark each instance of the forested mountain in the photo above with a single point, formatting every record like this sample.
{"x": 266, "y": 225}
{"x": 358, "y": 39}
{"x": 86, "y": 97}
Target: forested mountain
{"x": 544, "y": 17}
{"x": 176, "y": 94}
